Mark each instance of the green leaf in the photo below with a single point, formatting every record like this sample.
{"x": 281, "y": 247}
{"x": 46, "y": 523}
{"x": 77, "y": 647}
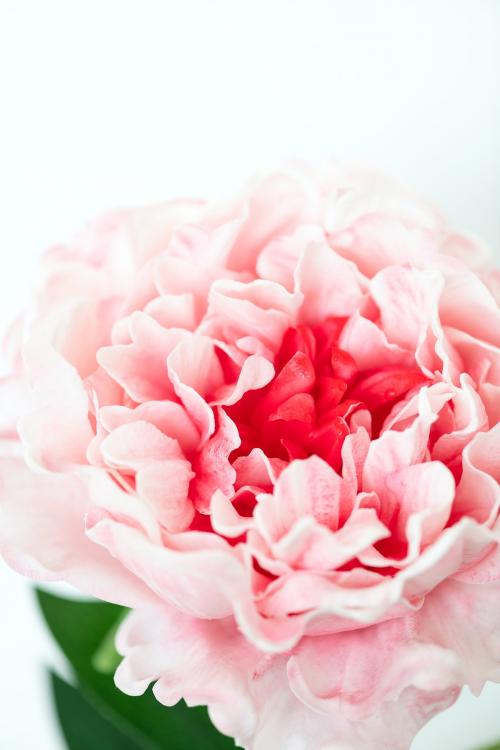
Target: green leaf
{"x": 83, "y": 727}
{"x": 106, "y": 658}
{"x": 80, "y": 628}
{"x": 496, "y": 746}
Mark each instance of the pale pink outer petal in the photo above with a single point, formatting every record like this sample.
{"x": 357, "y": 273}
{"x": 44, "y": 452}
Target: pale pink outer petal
{"x": 209, "y": 242}
{"x": 151, "y": 227}
{"x": 363, "y": 191}
{"x": 46, "y": 540}
{"x": 194, "y": 362}
{"x": 107, "y": 493}
{"x": 478, "y": 492}
{"x": 467, "y": 304}
{"x": 137, "y": 443}
{"x": 14, "y": 392}
{"x": 378, "y": 240}
{"x": 165, "y": 486}
{"x": 55, "y": 427}
{"x": 328, "y": 283}
{"x": 361, "y": 690}
{"x": 356, "y": 671}
{"x": 104, "y": 258}
{"x": 465, "y": 618}
{"x": 275, "y": 205}
{"x": 480, "y": 358}
{"x": 278, "y": 259}
{"x": 170, "y": 647}
{"x": 173, "y": 311}
{"x": 77, "y": 328}
{"x": 197, "y": 572}
{"x": 315, "y": 595}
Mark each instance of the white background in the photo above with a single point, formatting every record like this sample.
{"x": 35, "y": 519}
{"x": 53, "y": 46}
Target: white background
{"x": 114, "y": 102}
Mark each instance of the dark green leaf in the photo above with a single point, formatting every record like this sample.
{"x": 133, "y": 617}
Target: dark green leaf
{"x": 80, "y": 627}
{"x": 83, "y": 727}
{"x": 496, "y": 746}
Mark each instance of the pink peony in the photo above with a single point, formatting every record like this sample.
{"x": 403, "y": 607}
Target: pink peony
{"x": 272, "y": 429}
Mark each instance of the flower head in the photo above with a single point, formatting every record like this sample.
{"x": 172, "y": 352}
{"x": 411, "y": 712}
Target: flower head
{"x": 271, "y": 428}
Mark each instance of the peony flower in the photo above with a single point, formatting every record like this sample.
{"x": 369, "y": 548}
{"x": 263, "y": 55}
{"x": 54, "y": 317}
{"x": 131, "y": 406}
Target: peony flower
{"x": 271, "y": 428}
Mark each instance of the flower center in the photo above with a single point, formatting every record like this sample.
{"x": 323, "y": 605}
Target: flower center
{"x": 317, "y": 397}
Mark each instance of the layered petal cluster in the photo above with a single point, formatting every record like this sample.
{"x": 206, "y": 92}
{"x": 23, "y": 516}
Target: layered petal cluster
{"x": 271, "y": 428}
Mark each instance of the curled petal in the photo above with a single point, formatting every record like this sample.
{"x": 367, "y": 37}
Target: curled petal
{"x": 141, "y": 366}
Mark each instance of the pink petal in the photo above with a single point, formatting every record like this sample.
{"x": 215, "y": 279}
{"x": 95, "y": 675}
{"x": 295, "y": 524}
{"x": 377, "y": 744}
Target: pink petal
{"x": 255, "y": 373}
{"x": 257, "y": 469}
{"x": 368, "y": 345}
{"x": 356, "y": 673}
{"x": 162, "y": 474}
{"x": 328, "y": 284}
{"x": 467, "y": 304}
{"x": 46, "y": 540}
{"x": 478, "y": 493}
{"x": 417, "y": 501}
{"x": 204, "y": 580}
{"x": 168, "y": 646}
{"x": 225, "y": 518}
{"x": 213, "y": 470}
{"x": 141, "y": 367}
{"x": 55, "y": 427}
{"x": 196, "y": 374}
{"x": 425, "y": 491}
{"x": 470, "y": 418}
{"x": 164, "y": 486}
{"x": 395, "y": 449}
{"x": 406, "y": 299}
{"x": 309, "y": 487}
{"x": 237, "y": 310}
{"x": 377, "y": 240}
{"x": 279, "y": 258}
{"x": 312, "y": 546}
{"x": 136, "y": 443}
{"x": 167, "y": 416}
{"x": 173, "y": 311}
{"x": 276, "y": 206}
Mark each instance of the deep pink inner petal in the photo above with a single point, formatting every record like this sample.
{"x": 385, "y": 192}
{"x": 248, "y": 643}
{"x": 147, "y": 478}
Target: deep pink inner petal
{"x": 307, "y": 407}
